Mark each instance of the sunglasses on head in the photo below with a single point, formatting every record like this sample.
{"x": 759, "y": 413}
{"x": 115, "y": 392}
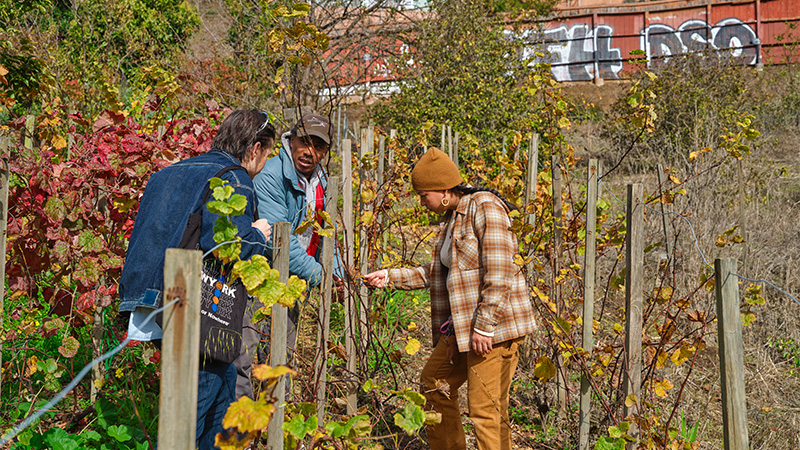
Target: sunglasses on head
{"x": 264, "y": 125}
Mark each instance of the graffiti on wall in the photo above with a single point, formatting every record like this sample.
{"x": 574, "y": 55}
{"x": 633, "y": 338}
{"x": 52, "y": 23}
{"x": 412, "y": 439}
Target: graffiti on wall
{"x": 579, "y": 52}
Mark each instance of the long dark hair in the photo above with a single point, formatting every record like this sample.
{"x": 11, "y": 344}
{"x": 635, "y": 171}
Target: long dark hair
{"x": 464, "y": 189}
{"x": 241, "y": 130}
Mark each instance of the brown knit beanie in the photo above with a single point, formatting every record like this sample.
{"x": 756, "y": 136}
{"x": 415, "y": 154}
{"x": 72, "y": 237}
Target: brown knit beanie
{"x": 435, "y": 172}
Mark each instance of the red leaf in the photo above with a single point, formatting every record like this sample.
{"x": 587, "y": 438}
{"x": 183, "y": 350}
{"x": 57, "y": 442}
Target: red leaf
{"x": 107, "y": 118}
{"x": 86, "y": 301}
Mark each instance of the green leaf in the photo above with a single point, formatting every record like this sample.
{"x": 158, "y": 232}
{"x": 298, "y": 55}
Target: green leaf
{"x": 412, "y": 396}
{"x": 222, "y": 193}
{"x": 224, "y": 230}
{"x": 238, "y": 203}
{"x": 605, "y": 443}
{"x": 91, "y": 435}
{"x": 90, "y": 242}
{"x": 220, "y": 208}
{"x": 106, "y": 413}
{"x": 119, "y": 432}
{"x": 300, "y": 427}
{"x": 61, "y": 440}
{"x": 410, "y": 418}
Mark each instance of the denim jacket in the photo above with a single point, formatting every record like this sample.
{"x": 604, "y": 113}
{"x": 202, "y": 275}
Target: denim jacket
{"x": 171, "y": 195}
{"x": 281, "y": 199}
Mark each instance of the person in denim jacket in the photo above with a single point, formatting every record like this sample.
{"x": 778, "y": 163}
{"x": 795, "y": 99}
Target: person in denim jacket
{"x": 245, "y": 139}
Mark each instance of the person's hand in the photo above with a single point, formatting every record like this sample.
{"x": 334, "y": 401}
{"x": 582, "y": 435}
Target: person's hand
{"x": 481, "y": 344}
{"x": 452, "y": 348}
{"x": 377, "y": 278}
{"x": 264, "y": 226}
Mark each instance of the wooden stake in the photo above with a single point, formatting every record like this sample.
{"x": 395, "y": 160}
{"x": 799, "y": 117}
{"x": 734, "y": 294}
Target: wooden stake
{"x": 731, "y": 356}
{"x": 323, "y": 334}
{"x": 30, "y": 127}
{"x": 367, "y": 148}
{"x": 349, "y": 306}
{"x": 180, "y": 362}
{"x": 4, "y": 175}
{"x": 588, "y": 299}
{"x": 281, "y": 235}
{"x": 455, "y": 150}
{"x": 634, "y": 286}
{"x": 392, "y": 137}
{"x": 533, "y": 176}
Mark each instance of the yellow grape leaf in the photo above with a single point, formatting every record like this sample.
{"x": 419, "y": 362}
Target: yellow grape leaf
{"x": 661, "y": 359}
{"x": 367, "y": 195}
{"x": 541, "y": 295}
{"x": 265, "y": 372}
{"x": 544, "y": 369}
{"x": 679, "y": 356}
{"x": 520, "y": 261}
{"x": 662, "y": 387}
{"x": 748, "y": 318}
{"x": 413, "y": 346}
{"x": 32, "y": 366}
{"x": 367, "y": 218}
{"x": 664, "y": 293}
{"x": 432, "y": 417}
{"x": 248, "y": 415}
{"x": 124, "y": 204}
{"x": 630, "y": 400}
{"x": 59, "y": 142}
{"x": 235, "y": 441}
{"x": 412, "y": 326}
{"x": 368, "y": 385}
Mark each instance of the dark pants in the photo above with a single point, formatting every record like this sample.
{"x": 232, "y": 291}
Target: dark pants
{"x": 216, "y": 389}
{"x": 255, "y": 346}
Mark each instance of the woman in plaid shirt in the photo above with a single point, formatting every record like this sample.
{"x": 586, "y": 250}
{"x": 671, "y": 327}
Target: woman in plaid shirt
{"x": 480, "y": 309}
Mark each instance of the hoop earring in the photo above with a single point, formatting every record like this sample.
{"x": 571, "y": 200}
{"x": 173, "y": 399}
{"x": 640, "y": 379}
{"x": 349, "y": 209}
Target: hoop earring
{"x": 445, "y": 202}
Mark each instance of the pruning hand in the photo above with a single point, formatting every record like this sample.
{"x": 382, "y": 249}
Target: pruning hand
{"x": 377, "y": 279}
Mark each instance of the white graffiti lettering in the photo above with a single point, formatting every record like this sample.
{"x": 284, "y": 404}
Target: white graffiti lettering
{"x": 580, "y": 53}
{"x": 660, "y": 41}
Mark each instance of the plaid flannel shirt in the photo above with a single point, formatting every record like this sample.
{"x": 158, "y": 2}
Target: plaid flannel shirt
{"x": 483, "y": 289}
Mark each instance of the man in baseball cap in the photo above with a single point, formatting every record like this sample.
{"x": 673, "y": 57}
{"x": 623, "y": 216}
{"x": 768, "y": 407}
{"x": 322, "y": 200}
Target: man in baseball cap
{"x": 291, "y": 188}
{"x": 313, "y": 125}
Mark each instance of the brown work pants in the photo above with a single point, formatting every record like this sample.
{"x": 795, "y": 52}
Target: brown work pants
{"x": 488, "y": 380}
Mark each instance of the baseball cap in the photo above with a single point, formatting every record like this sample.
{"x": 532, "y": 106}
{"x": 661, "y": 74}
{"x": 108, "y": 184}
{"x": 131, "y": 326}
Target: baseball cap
{"x": 314, "y": 125}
